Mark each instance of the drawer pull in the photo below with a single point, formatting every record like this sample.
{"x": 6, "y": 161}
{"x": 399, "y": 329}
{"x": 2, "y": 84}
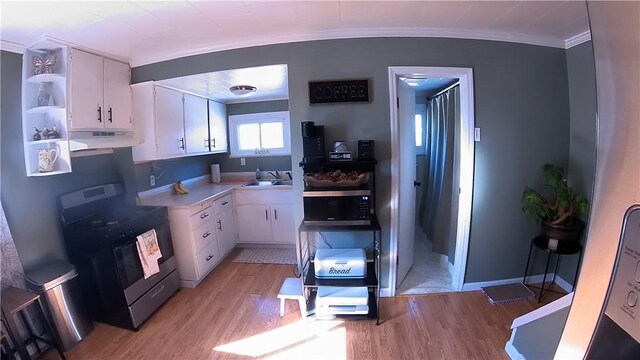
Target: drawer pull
{"x": 220, "y": 225}
{"x": 157, "y": 292}
{"x": 266, "y": 214}
{"x": 202, "y": 216}
{"x": 209, "y": 257}
{"x": 275, "y": 212}
{"x": 225, "y": 202}
{"x": 206, "y": 235}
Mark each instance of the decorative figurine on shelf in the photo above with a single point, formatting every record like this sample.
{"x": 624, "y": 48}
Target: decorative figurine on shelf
{"x": 43, "y": 96}
{"x": 55, "y": 134}
{"x": 48, "y": 134}
{"x": 36, "y": 135}
{"x": 44, "y": 66}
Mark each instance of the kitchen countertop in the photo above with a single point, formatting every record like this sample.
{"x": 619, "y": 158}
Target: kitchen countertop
{"x": 199, "y": 191}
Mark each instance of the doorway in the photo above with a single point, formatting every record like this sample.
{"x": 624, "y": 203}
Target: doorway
{"x": 403, "y": 171}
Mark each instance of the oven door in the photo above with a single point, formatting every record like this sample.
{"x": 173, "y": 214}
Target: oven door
{"x": 129, "y": 266}
{"x": 337, "y": 207}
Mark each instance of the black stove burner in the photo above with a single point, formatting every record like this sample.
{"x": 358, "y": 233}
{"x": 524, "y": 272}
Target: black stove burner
{"x": 113, "y": 219}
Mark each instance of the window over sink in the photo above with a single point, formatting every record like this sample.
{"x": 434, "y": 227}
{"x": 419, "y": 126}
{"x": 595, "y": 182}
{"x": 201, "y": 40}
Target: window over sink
{"x": 260, "y": 134}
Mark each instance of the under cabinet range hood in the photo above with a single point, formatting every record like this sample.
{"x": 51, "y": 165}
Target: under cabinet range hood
{"x": 88, "y": 140}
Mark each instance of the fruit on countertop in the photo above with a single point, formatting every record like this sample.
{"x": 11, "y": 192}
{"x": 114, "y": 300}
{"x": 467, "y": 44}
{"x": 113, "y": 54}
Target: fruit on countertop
{"x": 179, "y": 188}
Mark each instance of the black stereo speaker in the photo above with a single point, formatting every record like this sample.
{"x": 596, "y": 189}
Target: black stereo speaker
{"x": 365, "y": 149}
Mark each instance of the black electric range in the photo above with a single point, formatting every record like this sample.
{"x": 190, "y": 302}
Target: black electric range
{"x": 100, "y": 227}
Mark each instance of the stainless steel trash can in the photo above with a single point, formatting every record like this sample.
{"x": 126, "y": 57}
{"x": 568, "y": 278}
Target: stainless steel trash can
{"x": 62, "y": 302}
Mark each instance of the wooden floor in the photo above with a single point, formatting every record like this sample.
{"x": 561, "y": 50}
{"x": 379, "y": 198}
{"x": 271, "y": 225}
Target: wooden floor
{"x": 234, "y": 313}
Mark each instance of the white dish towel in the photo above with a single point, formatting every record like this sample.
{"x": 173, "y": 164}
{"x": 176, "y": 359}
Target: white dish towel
{"x": 149, "y": 252}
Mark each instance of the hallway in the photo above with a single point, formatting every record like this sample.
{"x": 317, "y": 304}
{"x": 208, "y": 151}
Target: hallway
{"x": 430, "y": 273}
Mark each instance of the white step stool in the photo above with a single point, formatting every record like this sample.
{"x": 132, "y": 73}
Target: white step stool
{"x": 292, "y": 289}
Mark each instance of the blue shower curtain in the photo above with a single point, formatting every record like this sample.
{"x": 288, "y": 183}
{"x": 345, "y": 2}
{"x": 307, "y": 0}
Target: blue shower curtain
{"x": 435, "y": 200}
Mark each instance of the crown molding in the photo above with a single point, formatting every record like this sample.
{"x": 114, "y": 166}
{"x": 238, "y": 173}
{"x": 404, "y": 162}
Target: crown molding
{"x": 577, "y": 40}
{"x": 347, "y": 34}
{"x": 12, "y": 47}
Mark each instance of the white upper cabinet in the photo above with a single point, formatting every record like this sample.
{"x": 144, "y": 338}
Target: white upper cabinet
{"x": 169, "y": 122}
{"x": 100, "y": 96}
{"x": 196, "y": 124}
{"x": 117, "y": 95}
{"x": 218, "y": 126}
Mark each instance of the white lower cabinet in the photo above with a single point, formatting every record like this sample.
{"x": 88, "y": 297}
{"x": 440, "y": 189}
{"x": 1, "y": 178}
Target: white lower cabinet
{"x": 202, "y": 235}
{"x": 226, "y": 231}
{"x": 265, "y": 216}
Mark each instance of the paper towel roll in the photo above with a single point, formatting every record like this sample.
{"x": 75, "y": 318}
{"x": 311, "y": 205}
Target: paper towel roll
{"x": 215, "y": 173}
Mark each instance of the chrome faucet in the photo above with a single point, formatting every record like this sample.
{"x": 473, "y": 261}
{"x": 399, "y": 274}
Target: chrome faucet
{"x": 275, "y": 175}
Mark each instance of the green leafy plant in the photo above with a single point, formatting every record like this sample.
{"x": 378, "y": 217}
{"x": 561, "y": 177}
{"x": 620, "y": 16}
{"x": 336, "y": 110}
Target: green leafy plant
{"x": 565, "y": 206}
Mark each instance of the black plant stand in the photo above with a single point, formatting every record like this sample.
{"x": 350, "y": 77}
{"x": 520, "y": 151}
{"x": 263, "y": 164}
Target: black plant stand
{"x": 563, "y": 248}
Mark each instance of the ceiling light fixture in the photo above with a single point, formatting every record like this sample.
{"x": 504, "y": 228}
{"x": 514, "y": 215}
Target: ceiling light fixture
{"x": 243, "y": 90}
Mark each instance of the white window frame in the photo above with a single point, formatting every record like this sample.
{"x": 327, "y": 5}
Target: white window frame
{"x": 259, "y": 118}
{"x": 421, "y": 109}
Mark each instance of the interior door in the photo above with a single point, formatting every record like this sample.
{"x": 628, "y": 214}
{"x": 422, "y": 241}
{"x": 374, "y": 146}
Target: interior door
{"x": 283, "y": 225}
{"x": 218, "y": 126}
{"x": 117, "y": 95}
{"x": 196, "y": 124}
{"x": 169, "y": 122}
{"x": 86, "y": 81}
{"x": 407, "y": 191}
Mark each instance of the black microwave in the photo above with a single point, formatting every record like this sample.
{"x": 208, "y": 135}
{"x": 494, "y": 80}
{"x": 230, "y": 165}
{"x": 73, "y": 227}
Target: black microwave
{"x": 337, "y": 207}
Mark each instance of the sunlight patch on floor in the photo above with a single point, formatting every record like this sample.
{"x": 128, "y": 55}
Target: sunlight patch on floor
{"x": 306, "y": 336}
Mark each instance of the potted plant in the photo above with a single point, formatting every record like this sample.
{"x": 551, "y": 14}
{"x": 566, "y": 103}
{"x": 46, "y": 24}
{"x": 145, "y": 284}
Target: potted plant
{"x": 558, "y": 215}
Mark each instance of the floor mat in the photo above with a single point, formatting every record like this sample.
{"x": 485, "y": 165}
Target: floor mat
{"x": 501, "y": 294}
{"x": 266, "y": 256}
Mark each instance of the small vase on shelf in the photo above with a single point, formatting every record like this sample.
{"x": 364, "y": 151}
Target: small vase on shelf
{"x": 43, "y": 97}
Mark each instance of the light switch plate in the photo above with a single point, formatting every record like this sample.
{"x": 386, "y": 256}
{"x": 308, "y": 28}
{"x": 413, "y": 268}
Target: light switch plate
{"x": 476, "y": 134}
{"x": 242, "y": 162}
{"x": 152, "y": 180}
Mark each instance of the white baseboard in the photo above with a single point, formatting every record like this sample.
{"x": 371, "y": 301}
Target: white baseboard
{"x": 478, "y": 285}
{"x": 385, "y": 292}
{"x": 513, "y": 353}
{"x": 563, "y": 284}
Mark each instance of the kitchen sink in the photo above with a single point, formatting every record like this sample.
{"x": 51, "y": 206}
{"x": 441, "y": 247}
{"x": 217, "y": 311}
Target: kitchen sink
{"x": 274, "y": 182}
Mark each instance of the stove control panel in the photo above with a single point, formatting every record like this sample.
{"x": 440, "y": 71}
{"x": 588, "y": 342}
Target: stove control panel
{"x": 623, "y": 306}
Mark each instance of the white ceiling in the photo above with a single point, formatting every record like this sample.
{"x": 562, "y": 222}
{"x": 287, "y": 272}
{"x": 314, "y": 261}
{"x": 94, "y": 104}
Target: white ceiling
{"x": 143, "y": 32}
{"x": 271, "y": 83}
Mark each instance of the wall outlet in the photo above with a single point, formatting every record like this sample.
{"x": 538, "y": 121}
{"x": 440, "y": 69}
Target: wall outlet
{"x": 242, "y": 162}
{"x": 152, "y": 180}
{"x": 476, "y": 134}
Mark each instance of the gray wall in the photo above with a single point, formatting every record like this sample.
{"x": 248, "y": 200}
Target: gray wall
{"x": 30, "y": 202}
{"x": 521, "y": 104}
{"x": 582, "y": 134}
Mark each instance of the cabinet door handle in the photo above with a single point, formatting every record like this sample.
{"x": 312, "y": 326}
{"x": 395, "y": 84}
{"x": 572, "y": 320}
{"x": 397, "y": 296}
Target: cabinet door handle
{"x": 266, "y": 214}
{"x": 206, "y": 235}
{"x": 99, "y": 113}
{"x": 225, "y": 202}
{"x": 220, "y": 225}
{"x": 202, "y": 216}
{"x": 182, "y": 143}
{"x": 206, "y": 143}
{"x": 110, "y": 114}
{"x": 209, "y": 257}
{"x": 275, "y": 213}
{"x": 214, "y": 143}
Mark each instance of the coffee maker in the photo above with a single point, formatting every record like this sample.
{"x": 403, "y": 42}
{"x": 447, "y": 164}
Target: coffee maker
{"x": 312, "y": 143}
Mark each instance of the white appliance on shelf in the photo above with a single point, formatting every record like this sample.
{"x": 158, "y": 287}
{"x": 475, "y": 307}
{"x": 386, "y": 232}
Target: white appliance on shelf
{"x": 332, "y": 300}
{"x": 340, "y": 264}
